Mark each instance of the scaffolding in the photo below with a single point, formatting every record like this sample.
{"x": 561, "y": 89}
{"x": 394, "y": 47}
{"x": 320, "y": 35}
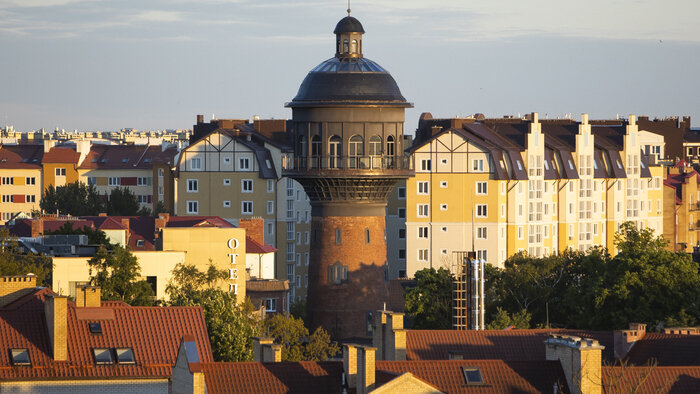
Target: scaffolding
{"x": 467, "y": 292}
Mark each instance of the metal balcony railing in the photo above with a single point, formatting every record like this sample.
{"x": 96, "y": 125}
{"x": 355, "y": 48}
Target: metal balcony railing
{"x": 374, "y": 163}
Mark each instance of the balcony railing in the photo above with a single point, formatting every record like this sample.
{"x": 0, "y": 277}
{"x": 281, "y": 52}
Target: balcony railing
{"x": 372, "y": 163}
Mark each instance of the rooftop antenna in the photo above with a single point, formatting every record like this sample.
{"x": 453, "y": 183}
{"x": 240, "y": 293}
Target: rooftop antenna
{"x": 348, "y": 7}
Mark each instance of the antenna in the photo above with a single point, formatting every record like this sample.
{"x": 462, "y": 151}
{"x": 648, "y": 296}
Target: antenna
{"x": 348, "y": 7}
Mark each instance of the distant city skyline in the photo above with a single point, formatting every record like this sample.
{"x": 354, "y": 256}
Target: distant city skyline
{"x": 155, "y": 64}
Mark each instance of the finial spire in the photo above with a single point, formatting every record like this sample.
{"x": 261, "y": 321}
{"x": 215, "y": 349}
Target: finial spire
{"x": 348, "y": 7}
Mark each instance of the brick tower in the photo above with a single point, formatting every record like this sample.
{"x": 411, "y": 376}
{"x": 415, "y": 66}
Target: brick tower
{"x": 347, "y": 127}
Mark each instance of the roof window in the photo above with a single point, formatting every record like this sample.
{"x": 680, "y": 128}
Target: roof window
{"x": 125, "y": 355}
{"x": 140, "y": 243}
{"x": 95, "y": 328}
{"x": 20, "y": 357}
{"x": 102, "y": 356}
{"x": 472, "y": 375}
{"x": 125, "y": 160}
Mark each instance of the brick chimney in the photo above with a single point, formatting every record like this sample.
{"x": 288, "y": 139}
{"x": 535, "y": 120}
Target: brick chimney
{"x": 56, "y": 312}
{"x": 37, "y": 227}
{"x": 126, "y": 223}
{"x": 254, "y": 228}
{"x": 581, "y": 360}
{"x": 160, "y": 222}
{"x": 14, "y": 287}
{"x": 88, "y": 296}
{"x": 389, "y": 336}
{"x": 258, "y": 348}
{"x": 350, "y": 365}
{"x": 187, "y": 373}
{"x": 623, "y": 340}
{"x": 365, "y": 369}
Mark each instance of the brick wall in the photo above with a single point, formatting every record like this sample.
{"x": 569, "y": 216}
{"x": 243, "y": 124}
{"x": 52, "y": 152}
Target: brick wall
{"x": 14, "y": 287}
{"x": 145, "y": 386}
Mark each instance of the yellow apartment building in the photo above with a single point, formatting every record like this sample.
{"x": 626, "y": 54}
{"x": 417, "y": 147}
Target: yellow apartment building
{"x": 20, "y": 180}
{"x": 503, "y": 186}
{"x": 681, "y": 208}
{"x": 60, "y": 164}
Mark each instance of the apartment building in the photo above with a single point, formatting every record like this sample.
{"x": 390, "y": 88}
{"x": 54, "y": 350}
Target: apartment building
{"x": 503, "y": 186}
{"x": 681, "y": 208}
{"x": 21, "y": 180}
{"x": 144, "y": 169}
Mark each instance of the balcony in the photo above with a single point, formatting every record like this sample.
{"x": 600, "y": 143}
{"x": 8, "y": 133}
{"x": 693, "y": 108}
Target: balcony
{"x": 347, "y": 165}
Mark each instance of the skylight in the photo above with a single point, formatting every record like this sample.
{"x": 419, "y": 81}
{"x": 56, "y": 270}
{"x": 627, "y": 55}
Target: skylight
{"x": 102, "y": 356}
{"x": 472, "y": 375}
{"x": 20, "y": 357}
{"x": 95, "y": 328}
{"x": 140, "y": 242}
{"x": 125, "y": 355}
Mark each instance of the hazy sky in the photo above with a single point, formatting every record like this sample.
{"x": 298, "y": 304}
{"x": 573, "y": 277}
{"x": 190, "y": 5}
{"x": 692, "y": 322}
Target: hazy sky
{"x": 155, "y": 64}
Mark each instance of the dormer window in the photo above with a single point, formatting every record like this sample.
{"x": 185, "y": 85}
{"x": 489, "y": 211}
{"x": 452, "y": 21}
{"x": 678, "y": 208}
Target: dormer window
{"x": 20, "y": 357}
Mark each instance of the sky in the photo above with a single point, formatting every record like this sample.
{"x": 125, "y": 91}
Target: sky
{"x": 156, "y": 64}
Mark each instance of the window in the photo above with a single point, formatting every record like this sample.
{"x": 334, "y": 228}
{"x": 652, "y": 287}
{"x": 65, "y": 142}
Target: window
{"x": 402, "y": 233}
{"x": 247, "y": 185}
{"x": 425, "y": 164}
{"x": 95, "y": 328}
{"x": 144, "y": 199}
{"x": 142, "y": 181}
{"x": 140, "y": 243}
{"x": 270, "y": 186}
{"x": 227, "y": 203}
{"x": 423, "y": 232}
{"x": 91, "y": 180}
{"x": 481, "y": 233}
{"x": 443, "y": 184}
{"x": 270, "y": 305}
{"x": 338, "y": 239}
{"x": 32, "y": 198}
{"x": 422, "y": 254}
{"x": 338, "y": 273}
{"x": 270, "y": 228}
{"x": 306, "y": 238}
{"x": 478, "y": 165}
{"x": 227, "y": 182}
{"x": 192, "y": 186}
{"x": 60, "y": 172}
{"x": 422, "y": 210}
{"x": 125, "y": 355}
{"x": 160, "y": 190}
{"x": 20, "y": 357}
{"x": 481, "y": 254}
{"x": 481, "y": 188}
{"x": 503, "y": 210}
{"x": 472, "y": 375}
{"x": 521, "y": 234}
{"x": 401, "y": 212}
{"x": 246, "y": 207}
{"x": 7, "y": 198}
{"x": 160, "y": 172}
{"x": 102, "y": 356}
{"x": 481, "y": 210}
{"x": 114, "y": 181}
{"x": 244, "y": 163}
{"x": 196, "y": 164}
{"x": 8, "y": 180}
{"x": 290, "y": 253}
{"x": 422, "y": 187}
{"x": 402, "y": 254}
{"x": 443, "y": 207}
{"x": 270, "y": 207}
{"x": 306, "y": 256}
{"x": 30, "y": 180}
{"x": 367, "y": 236}
{"x": 401, "y": 192}
{"x": 192, "y": 207}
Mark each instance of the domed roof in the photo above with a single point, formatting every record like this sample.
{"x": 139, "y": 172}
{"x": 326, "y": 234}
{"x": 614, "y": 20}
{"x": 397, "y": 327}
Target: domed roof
{"x": 348, "y": 81}
{"x": 348, "y": 25}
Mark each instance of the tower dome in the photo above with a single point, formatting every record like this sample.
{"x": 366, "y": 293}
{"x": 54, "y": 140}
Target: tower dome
{"x": 348, "y": 78}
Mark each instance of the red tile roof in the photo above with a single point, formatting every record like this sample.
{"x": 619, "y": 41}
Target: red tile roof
{"x": 511, "y": 345}
{"x": 21, "y": 156}
{"x": 677, "y": 181}
{"x": 127, "y": 157}
{"x": 266, "y": 285}
{"x": 656, "y": 379}
{"x": 666, "y": 349}
{"x": 251, "y": 246}
{"x": 154, "y": 334}
{"x": 61, "y": 155}
{"x": 499, "y": 376}
{"x": 287, "y": 377}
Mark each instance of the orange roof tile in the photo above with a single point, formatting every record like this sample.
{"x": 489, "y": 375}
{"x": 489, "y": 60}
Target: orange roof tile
{"x": 658, "y": 379}
{"x": 666, "y": 349}
{"x": 61, "y": 155}
{"x": 21, "y": 156}
{"x": 153, "y": 333}
{"x": 286, "y": 377}
{"x": 251, "y": 246}
{"x": 127, "y": 157}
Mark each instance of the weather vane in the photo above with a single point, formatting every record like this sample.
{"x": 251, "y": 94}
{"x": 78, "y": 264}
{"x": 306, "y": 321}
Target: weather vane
{"x": 348, "y": 7}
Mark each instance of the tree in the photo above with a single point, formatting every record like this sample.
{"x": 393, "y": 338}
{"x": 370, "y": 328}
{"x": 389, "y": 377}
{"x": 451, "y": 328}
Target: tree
{"x": 95, "y": 237}
{"x": 430, "y": 302}
{"x": 14, "y": 262}
{"x": 123, "y": 202}
{"x": 116, "y": 272}
{"x": 503, "y": 319}
{"x": 77, "y": 199}
{"x": 230, "y": 326}
{"x": 297, "y": 345}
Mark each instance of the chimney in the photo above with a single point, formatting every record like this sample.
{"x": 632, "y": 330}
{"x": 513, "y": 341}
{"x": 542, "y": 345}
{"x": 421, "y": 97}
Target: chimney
{"x": 200, "y": 119}
{"x": 623, "y": 340}
{"x": 581, "y": 360}
{"x": 37, "y": 227}
{"x": 160, "y": 222}
{"x": 584, "y": 118}
{"x": 254, "y": 229}
{"x": 378, "y": 334}
{"x": 88, "y": 297}
{"x": 271, "y": 353}
{"x": 535, "y": 117}
{"x": 56, "y": 311}
{"x": 102, "y": 214}
{"x": 187, "y": 373}
{"x": 125, "y": 223}
{"x": 365, "y": 369}
{"x": 258, "y": 351}
{"x": 350, "y": 365}
{"x": 389, "y": 336}
{"x": 14, "y": 287}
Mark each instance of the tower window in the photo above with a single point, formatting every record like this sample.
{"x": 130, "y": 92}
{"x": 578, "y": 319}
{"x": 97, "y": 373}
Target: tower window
{"x": 345, "y": 46}
{"x": 338, "y": 273}
{"x": 338, "y": 240}
{"x": 367, "y": 236}
{"x": 353, "y": 46}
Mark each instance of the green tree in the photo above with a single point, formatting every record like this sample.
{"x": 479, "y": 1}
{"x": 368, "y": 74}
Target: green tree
{"x": 230, "y": 325}
{"x": 297, "y": 345}
{"x": 95, "y": 237}
{"x": 123, "y": 202}
{"x": 430, "y": 302}
{"x": 503, "y": 319}
{"x": 117, "y": 272}
{"x": 77, "y": 199}
{"x": 14, "y": 262}
{"x": 298, "y": 309}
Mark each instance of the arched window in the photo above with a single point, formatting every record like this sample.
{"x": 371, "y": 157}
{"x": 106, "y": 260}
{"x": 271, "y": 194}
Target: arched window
{"x": 345, "y": 46}
{"x": 353, "y": 46}
{"x": 390, "y": 145}
{"x": 375, "y": 145}
{"x": 315, "y": 151}
{"x": 339, "y": 47}
{"x": 335, "y": 150}
{"x": 356, "y": 150}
